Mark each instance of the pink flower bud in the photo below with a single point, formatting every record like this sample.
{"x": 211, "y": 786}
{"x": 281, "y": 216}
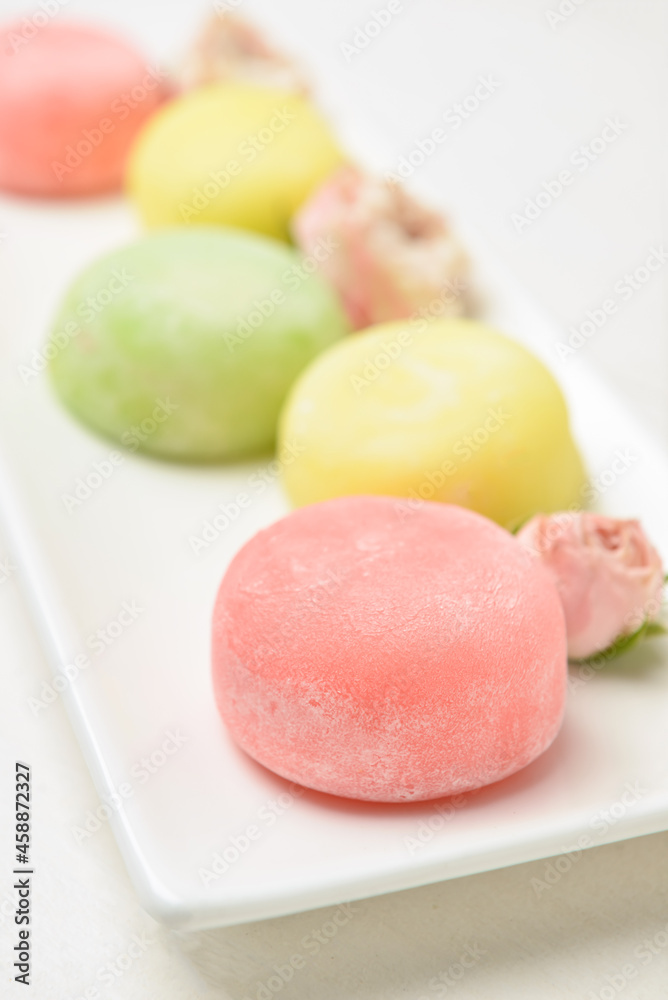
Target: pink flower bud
{"x": 608, "y": 574}
{"x": 230, "y": 48}
{"x": 394, "y": 257}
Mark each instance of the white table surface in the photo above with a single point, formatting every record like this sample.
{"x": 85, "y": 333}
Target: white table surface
{"x": 601, "y": 927}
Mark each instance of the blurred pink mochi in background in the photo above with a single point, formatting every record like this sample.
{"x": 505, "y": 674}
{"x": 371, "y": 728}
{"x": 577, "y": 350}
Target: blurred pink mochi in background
{"x": 387, "y": 255}
{"x": 371, "y": 650}
{"x": 72, "y": 98}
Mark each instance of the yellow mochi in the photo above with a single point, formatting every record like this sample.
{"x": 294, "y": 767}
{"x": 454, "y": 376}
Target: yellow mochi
{"x": 230, "y": 154}
{"x": 457, "y": 413}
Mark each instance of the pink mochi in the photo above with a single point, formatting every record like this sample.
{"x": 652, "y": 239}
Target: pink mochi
{"x": 376, "y": 649}
{"x": 72, "y": 99}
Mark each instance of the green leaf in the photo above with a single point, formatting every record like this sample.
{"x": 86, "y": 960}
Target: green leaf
{"x": 625, "y": 642}
{"x": 516, "y": 525}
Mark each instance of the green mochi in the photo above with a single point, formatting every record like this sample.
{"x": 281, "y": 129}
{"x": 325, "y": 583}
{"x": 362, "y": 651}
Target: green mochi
{"x": 185, "y": 343}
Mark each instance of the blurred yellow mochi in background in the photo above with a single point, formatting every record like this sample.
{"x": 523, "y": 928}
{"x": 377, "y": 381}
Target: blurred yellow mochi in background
{"x": 230, "y": 154}
{"x": 458, "y": 413}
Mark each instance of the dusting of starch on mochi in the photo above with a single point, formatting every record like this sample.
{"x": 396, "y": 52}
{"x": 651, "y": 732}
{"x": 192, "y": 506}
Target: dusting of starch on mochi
{"x": 379, "y": 650}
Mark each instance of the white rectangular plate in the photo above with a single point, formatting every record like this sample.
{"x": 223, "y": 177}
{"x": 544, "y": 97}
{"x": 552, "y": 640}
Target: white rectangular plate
{"x": 176, "y": 805}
